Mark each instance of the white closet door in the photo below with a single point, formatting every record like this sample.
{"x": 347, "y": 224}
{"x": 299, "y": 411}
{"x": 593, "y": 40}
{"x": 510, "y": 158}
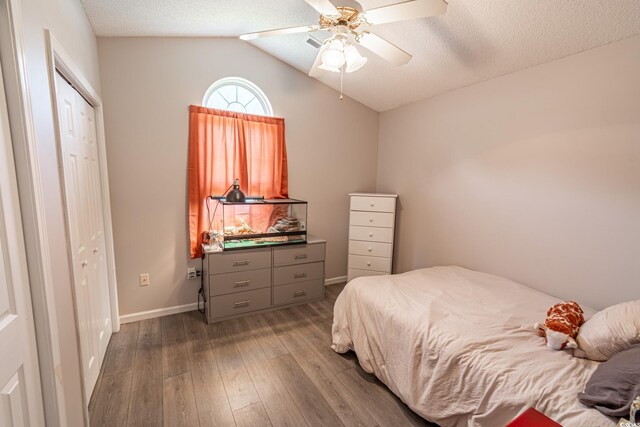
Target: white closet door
{"x": 20, "y": 391}
{"x": 85, "y": 227}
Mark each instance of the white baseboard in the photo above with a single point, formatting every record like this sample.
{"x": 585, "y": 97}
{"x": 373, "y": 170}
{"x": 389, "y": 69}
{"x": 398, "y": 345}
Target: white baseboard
{"x": 159, "y": 312}
{"x": 335, "y": 280}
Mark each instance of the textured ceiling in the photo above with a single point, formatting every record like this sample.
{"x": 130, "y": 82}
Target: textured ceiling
{"x": 474, "y": 41}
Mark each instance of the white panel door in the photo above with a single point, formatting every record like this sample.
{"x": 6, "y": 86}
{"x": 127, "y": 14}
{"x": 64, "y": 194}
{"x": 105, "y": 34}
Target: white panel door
{"x": 85, "y": 227}
{"x": 20, "y": 390}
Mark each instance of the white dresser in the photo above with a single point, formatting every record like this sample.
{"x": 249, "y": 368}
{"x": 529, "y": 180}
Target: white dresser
{"x": 371, "y": 229}
{"x": 247, "y": 281}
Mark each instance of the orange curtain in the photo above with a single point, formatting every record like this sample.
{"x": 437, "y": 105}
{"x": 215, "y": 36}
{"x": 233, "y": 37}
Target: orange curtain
{"x": 224, "y": 145}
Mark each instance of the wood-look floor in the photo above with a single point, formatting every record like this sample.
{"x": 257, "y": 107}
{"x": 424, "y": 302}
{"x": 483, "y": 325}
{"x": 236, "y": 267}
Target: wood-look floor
{"x": 273, "y": 369}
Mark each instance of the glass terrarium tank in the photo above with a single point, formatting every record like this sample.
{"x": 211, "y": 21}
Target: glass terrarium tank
{"x": 258, "y": 223}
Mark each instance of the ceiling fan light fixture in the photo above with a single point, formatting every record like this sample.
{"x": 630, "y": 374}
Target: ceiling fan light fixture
{"x": 354, "y": 60}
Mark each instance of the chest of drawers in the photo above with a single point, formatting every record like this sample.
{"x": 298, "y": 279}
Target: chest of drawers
{"x": 248, "y": 281}
{"x": 371, "y": 233}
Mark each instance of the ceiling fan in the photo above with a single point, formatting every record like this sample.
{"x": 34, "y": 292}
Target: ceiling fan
{"x": 350, "y": 26}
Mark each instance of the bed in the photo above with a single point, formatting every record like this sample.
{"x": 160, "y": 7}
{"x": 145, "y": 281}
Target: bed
{"x": 459, "y": 347}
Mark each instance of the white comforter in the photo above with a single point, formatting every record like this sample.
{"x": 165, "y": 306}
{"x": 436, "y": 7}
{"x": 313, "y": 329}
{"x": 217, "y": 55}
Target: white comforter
{"x": 459, "y": 347}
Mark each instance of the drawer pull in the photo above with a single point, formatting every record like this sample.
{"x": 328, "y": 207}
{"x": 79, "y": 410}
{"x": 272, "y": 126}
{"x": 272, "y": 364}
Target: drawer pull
{"x": 299, "y": 293}
{"x": 370, "y": 234}
{"x": 239, "y": 263}
{"x": 369, "y": 249}
{"x": 370, "y": 219}
{"x": 368, "y": 263}
{"x": 300, "y": 256}
{"x": 372, "y": 204}
{"x": 241, "y": 283}
{"x": 299, "y": 275}
{"x": 242, "y": 303}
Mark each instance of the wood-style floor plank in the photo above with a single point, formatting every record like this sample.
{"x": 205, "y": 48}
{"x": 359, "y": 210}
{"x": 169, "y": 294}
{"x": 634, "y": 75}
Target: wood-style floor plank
{"x": 269, "y": 369}
{"x": 145, "y": 407}
{"x": 385, "y": 406}
{"x": 236, "y": 379}
{"x": 277, "y": 402}
{"x": 253, "y": 415}
{"x": 175, "y": 360}
{"x": 320, "y": 340}
{"x": 345, "y": 405}
{"x": 211, "y": 398}
{"x": 112, "y": 404}
{"x": 122, "y": 349}
{"x": 179, "y": 408}
{"x": 150, "y": 333}
{"x": 310, "y": 401}
{"x": 269, "y": 341}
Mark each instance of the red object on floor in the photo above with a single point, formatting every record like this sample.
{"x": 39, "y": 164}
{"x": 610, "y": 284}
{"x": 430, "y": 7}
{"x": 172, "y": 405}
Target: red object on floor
{"x": 532, "y": 418}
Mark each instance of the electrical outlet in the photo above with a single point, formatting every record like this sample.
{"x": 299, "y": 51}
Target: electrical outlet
{"x": 144, "y": 279}
{"x": 191, "y": 273}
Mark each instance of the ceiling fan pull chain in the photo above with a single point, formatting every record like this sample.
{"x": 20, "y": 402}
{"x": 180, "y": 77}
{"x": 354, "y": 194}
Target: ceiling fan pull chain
{"x": 341, "y": 77}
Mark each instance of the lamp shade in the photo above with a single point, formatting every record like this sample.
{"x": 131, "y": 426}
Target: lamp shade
{"x": 333, "y": 57}
{"x": 236, "y": 196}
{"x": 354, "y": 60}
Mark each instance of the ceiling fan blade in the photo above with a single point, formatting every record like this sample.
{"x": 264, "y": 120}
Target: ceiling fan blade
{"x": 280, "y": 31}
{"x": 384, "y": 49}
{"x": 404, "y": 11}
{"x": 324, "y": 7}
{"x": 315, "y": 70}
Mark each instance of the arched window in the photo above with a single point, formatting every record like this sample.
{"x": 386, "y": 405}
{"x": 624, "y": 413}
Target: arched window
{"x": 237, "y": 94}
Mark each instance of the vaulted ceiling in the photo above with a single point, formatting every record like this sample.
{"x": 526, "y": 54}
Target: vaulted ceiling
{"x": 474, "y": 41}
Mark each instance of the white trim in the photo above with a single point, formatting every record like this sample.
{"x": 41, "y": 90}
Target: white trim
{"x": 158, "y": 312}
{"x": 335, "y": 280}
{"x": 32, "y": 207}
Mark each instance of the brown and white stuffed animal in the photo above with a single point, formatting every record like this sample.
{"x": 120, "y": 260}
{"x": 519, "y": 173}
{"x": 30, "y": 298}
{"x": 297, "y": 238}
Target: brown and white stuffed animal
{"x": 562, "y": 325}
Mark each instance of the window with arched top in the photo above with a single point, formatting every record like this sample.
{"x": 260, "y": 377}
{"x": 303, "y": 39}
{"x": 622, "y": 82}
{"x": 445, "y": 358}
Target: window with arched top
{"x": 237, "y": 94}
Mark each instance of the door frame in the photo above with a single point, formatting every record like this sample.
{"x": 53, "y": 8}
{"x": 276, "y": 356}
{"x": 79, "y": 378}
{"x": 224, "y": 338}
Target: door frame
{"x": 58, "y": 61}
{"x": 32, "y": 208}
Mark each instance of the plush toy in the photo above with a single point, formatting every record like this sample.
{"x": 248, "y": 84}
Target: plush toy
{"x": 562, "y": 325}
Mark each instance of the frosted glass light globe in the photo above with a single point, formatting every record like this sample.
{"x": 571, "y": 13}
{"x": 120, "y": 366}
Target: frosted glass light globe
{"x": 333, "y": 57}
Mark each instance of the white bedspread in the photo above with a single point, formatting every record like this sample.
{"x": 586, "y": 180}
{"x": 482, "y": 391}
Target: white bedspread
{"x": 460, "y": 349}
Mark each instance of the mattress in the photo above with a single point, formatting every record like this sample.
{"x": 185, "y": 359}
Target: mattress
{"x": 459, "y": 347}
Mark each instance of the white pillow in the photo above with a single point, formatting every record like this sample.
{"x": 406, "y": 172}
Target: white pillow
{"x": 609, "y": 331}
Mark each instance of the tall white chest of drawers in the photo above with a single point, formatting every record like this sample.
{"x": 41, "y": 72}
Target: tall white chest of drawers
{"x": 371, "y": 230}
{"x": 249, "y": 281}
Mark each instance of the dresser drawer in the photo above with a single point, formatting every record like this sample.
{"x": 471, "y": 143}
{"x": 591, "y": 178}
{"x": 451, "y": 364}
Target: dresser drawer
{"x": 372, "y": 219}
{"x": 358, "y": 247}
{"x": 371, "y": 234}
{"x": 298, "y": 273}
{"x": 298, "y": 254}
{"x": 287, "y": 294}
{"x": 227, "y": 262}
{"x": 374, "y": 204}
{"x": 239, "y": 281}
{"x": 355, "y": 273}
{"x": 370, "y": 263}
{"x": 241, "y": 302}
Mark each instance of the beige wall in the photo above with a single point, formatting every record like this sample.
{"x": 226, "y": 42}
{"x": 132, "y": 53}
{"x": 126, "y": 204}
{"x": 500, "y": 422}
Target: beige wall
{"x": 69, "y": 24}
{"x": 148, "y": 84}
{"x": 534, "y": 176}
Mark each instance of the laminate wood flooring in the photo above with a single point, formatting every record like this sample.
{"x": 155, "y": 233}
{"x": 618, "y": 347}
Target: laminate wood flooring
{"x": 272, "y": 369}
